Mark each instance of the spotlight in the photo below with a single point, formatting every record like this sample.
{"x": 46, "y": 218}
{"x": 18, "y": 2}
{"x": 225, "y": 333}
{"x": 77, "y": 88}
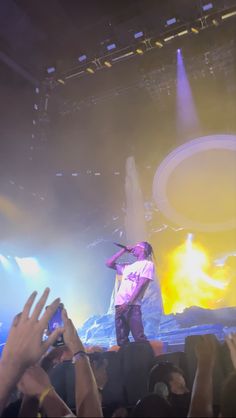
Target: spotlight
{"x": 215, "y": 22}
{"x": 107, "y": 64}
{"x": 169, "y": 38}
{"x": 51, "y": 70}
{"x": 28, "y": 266}
{"x": 139, "y": 51}
{"x": 194, "y": 30}
{"x": 227, "y": 15}
{"x": 61, "y": 81}
{"x": 207, "y": 7}
{"x": 82, "y": 58}
{"x": 123, "y": 56}
{"x": 171, "y": 21}
{"x": 111, "y": 47}
{"x": 138, "y": 35}
{"x": 90, "y": 70}
{"x": 159, "y": 44}
{"x": 182, "y": 33}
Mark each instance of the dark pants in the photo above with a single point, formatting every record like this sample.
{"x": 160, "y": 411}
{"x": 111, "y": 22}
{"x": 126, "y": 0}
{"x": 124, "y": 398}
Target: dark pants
{"x": 129, "y": 321}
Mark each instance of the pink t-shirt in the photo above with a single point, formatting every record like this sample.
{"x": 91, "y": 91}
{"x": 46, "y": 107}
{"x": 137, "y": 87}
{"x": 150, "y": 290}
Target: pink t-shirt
{"x": 130, "y": 279}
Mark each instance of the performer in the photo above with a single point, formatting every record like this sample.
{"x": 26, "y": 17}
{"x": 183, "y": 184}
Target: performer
{"x": 135, "y": 280}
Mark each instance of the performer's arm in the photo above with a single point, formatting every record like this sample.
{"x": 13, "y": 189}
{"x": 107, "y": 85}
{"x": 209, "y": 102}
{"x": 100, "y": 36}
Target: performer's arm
{"x": 111, "y": 262}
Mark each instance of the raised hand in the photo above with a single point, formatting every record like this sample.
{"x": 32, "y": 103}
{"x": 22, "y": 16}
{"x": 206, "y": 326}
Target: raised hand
{"x": 206, "y": 350}
{"x": 34, "y": 381}
{"x": 231, "y": 343}
{"x": 70, "y": 335}
{"x": 24, "y": 345}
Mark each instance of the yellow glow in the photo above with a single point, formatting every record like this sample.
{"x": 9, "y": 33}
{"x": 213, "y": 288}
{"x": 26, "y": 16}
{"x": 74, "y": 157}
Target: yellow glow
{"x": 90, "y": 70}
{"x": 190, "y": 280}
{"x": 107, "y": 64}
{"x": 139, "y": 51}
{"x": 159, "y": 44}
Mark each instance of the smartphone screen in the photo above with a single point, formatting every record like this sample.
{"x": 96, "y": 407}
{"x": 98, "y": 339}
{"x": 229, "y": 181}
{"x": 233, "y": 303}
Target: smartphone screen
{"x": 56, "y": 322}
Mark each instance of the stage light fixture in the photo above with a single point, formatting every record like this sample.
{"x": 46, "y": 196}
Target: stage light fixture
{"x": 139, "y": 51}
{"x": 227, "y": 15}
{"x": 90, "y": 70}
{"x": 61, "y": 81}
{"x": 123, "y": 56}
{"x": 171, "y": 21}
{"x": 82, "y": 58}
{"x": 111, "y": 47}
{"x": 138, "y": 35}
{"x": 215, "y": 22}
{"x": 194, "y": 30}
{"x": 159, "y": 44}
{"x": 207, "y": 7}
{"x": 182, "y": 33}
{"x": 108, "y": 64}
{"x": 74, "y": 75}
{"x": 169, "y": 38}
{"x": 51, "y": 70}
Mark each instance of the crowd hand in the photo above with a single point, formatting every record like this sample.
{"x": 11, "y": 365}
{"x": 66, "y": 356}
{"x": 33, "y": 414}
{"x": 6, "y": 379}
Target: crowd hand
{"x": 231, "y": 343}
{"x": 24, "y": 346}
{"x": 34, "y": 381}
{"x": 206, "y": 351}
{"x": 70, "y": 335}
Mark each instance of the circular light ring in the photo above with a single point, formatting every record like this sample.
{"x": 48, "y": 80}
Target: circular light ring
{"x": 171, "y": 162}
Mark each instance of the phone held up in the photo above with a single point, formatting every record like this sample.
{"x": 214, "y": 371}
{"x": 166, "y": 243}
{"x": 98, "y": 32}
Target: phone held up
{"x": 56, "y": 322}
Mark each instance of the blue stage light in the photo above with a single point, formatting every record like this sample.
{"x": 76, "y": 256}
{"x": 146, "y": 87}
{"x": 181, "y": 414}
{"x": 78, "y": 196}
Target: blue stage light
{"x": 138, "y": 35}
{"x": 207, "y": 7}
{"x": 110, "y": 47}
{"x": 82, "y": 58}
{"x": 51, "y": 70}
{"x": 171, "y": 21}
{"x": 28, "y": 266}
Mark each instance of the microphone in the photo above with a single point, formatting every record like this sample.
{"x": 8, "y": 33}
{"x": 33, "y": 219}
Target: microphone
{"x": 120, "y": 245}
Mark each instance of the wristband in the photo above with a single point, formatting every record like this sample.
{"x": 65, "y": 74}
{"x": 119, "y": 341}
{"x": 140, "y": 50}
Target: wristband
{"x": 44, "y": 394}
{"x": 79, "y": 355}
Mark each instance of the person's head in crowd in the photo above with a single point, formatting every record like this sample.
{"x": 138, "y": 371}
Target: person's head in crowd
{"x": 228, "y": 397}
{"x": 168, "y": 382}
{"x": 153, "y": 405}
{"x": 169, "y": 374}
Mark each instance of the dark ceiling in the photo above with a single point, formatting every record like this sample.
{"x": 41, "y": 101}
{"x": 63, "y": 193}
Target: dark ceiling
{"x": 36, "y": 34}
{"x": 100, "y": 136}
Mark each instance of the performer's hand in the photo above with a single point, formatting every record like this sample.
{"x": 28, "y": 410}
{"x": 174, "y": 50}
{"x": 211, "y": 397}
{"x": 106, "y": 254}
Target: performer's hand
{"x": 122, "y": 308}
